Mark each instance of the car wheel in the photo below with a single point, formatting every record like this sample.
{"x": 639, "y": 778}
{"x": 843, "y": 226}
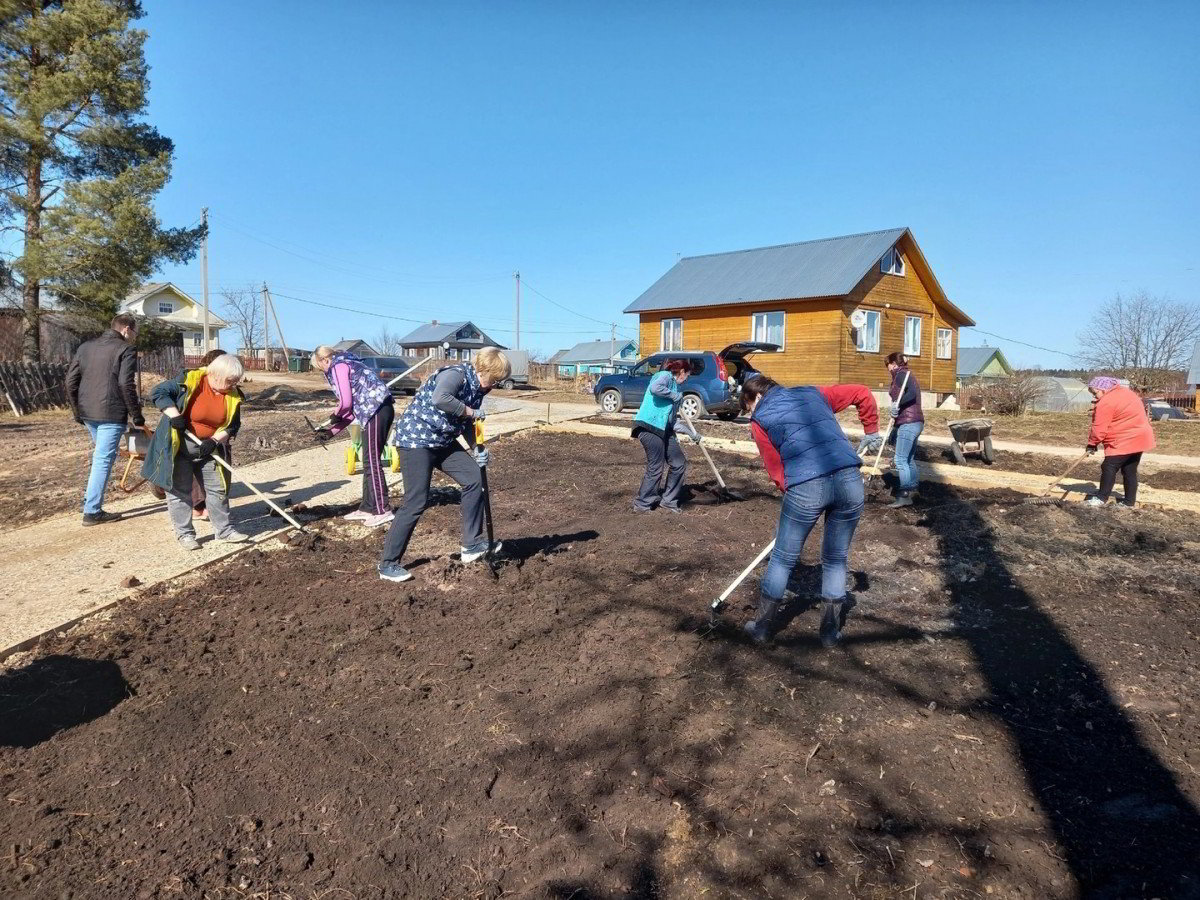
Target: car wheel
{"x": 691, "y": 406}
{"x": 610, "y": 401}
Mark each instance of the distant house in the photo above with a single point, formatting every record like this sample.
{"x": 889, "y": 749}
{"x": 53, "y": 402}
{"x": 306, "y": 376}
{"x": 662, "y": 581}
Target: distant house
{"x": 836, "y": 307}
{"x": 464, "y": 339}
{"x": 556, "y": 357}
{"x": 357, "y": 347}
{"x": 164, "y": 301}
{"x": 981, "y": 362}
{"x": 596, "y": 357}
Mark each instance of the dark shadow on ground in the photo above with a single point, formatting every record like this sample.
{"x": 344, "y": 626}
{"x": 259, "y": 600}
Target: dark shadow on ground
{"x": 1073, "y": 739}
{"x": 523, "y": 548}
{"x": 55, "y": 693}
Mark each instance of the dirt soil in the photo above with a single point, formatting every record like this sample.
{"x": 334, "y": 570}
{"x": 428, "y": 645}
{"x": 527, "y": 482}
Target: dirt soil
{"x": 1012, "y": 712}
{"x": 1030, "y": 463}
{"x": 45, "y": 457}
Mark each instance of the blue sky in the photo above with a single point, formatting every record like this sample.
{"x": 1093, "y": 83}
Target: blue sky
{"x": 407, "y": 158}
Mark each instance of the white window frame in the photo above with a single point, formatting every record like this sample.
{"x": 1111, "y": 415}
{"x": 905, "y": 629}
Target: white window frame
{"x": 949, "y": 343}
{"x": 913, "y": 349}
{"x": 169, "y": 307}
{"x": 662, "y": 336}
{"x": 892, "y": 263}
{"x": 766, "y": 327}
{"x": 198, "y": 339}
{"x": 861, "y": 333}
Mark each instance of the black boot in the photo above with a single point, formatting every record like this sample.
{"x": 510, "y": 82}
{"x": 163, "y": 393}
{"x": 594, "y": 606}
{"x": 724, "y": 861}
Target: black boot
{"x": 760, "y": 628}
{"x": 831, "y": 623}
{"x": 903, "y": 498}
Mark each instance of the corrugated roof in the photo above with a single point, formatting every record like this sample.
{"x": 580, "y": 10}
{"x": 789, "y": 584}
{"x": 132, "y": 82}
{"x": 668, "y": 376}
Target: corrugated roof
{"x": 556, "y": 357}
{"x": 972, "y": 359}
{"x": 593, "y": 352}
{"x": 1194, "y": 371}
{"x": 350, "y": 345}
{"x": 829, "y": 267}
{"x": 433, "y": 332}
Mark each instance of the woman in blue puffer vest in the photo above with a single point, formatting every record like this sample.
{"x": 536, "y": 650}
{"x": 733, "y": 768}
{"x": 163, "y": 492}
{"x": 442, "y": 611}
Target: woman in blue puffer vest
{"x": 654, "y": 426}
{"x": 808, "y": 456}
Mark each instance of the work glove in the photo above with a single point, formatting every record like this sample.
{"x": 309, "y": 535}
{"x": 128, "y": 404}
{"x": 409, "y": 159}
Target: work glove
{"x": 322, "y": 434}
{"x": 478, "y": 414}
{"x": 870, "y": 443}
{"x": 77, "y": 416}
{"x": 139, "y": 421}
{"x": 482, "y": 456}
{"x": 696, "y": 436}
{"x": 1091, "y": 449}
{"x": 206, "y": 448}
{"x": 178, "y": 422}
{"x": 894, "y": 409}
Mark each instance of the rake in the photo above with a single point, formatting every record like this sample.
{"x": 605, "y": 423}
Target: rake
{"x": 724, "y": 494}
{"x": 1045, "y": 499}
{"x": 873, "y": 470}
{"x": 718, "y": 605}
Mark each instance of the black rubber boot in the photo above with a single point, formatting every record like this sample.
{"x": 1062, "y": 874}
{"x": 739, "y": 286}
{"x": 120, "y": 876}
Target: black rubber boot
{"x": 903, "y": 498}
{"x": 760, "y": 629}
{"x": 831, "y": 623}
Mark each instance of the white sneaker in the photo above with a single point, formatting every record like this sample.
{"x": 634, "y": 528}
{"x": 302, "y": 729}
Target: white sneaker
{"x": 381, "y": 519}
{"x": 357, "y": 514}
{"x": 480, "y": 551}
{"x": 233, "y": 536}
{"x": 1094, "y": 501}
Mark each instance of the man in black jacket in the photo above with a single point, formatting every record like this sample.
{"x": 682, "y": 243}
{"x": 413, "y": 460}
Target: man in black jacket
{"x": 103, "y": 395}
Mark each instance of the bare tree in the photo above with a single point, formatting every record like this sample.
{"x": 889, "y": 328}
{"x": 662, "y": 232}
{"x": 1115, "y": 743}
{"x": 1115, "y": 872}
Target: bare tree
{"x": 387, "y": 342}
{"x": 1146, "y": 339}
{"x": 243, "y": 308}
{"x": 1012, "y": 396}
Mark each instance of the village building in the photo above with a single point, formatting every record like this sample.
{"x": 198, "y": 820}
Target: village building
{"x": 464, "y": 339}
{"x": 982, "y": 364}
{"x": 165, "y": 302}
{"x": 596, "y": 357}
{"x": 836, "y": 307}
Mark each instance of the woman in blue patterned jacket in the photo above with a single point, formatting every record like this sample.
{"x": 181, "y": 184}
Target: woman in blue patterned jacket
{"x": 446, "y": 406}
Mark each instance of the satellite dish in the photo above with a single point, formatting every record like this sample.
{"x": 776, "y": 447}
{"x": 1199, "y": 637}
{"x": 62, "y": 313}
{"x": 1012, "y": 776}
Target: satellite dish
{"x": 858, "y": 318}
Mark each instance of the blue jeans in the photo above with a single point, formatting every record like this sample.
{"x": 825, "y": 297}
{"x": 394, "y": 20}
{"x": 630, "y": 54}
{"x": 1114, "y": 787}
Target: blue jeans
{"x": 107, "y": 438}
{"x": 839, "y": 497}
{"x": 906, "y": 446}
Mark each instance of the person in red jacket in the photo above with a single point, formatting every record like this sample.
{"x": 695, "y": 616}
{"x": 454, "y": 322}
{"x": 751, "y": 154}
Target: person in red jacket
{"x": 843, "y": 396}
{"x": 1121, "y": 426}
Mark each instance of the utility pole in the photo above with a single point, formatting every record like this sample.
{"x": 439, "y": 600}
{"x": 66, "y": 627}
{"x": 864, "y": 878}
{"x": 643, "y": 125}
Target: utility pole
{"x": 266, "y": 300}
{"x": 204, "y": 274}
{"x": 517, "y": 275}
{"x": 279, "y": 328}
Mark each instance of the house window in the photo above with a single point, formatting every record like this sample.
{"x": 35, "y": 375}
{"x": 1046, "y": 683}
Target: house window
{"x": 197, "y": 339}
{"x": 892, "y": 263}
{"x": 867, "y": 337}
{"x": 466, "y": 354}
{"x": 767, "y": 327}
{"x": 912, "y": 335}
{"x": 165, "y": 307}
{"x": 944, "y": 343}
{"x": 671, "y": 335}
{"x": 452, "y": 353}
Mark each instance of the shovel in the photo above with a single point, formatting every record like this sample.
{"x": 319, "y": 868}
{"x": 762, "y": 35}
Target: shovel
{"x": 1047, "y": 500}
{"x": 724, "y": 494}
{"x": 228, "y": 468}
{"x": 316, "y": 430}
{"x": 487, "y": 500}
{"x": 719, "y": 604}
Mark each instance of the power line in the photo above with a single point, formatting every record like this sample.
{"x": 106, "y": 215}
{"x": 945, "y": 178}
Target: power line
{"x": 1032, "y": 346}
{"x": 567, "y": 308}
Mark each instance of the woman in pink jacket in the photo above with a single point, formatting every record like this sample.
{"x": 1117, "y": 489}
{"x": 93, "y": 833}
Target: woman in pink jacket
{"x": 1121, "y": 426}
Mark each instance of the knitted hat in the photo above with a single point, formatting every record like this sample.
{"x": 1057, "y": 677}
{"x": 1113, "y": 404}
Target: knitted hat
{"x": 1103, "y": 383}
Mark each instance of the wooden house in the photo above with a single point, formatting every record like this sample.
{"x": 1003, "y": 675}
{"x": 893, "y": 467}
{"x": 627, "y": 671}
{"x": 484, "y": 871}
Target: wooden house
{"x": 836, "y": 307}
{"x": 464, "y": 338}
{"x": 165, "y": 302}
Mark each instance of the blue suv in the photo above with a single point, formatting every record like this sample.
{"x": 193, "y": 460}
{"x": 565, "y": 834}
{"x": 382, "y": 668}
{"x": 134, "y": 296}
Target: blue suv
{"x": 714, "y": 385}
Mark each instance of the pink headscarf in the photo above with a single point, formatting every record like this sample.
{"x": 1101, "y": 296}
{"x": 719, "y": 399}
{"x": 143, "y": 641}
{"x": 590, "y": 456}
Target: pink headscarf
{"x": 1103, "y": 383}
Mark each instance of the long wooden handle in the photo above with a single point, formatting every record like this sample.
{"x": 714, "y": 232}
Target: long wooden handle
{"x": 712, "y": 465}
{"x": 228, "y": 468}
{"x": 1071, "y": 468}
{"x": 766, "y": 551}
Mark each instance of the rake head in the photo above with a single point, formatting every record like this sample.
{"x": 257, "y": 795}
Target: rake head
{"x": 1042, "y": 501}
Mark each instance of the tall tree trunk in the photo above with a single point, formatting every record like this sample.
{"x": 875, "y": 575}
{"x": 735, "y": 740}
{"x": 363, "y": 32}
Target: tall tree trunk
{"x": 31, "y": 342}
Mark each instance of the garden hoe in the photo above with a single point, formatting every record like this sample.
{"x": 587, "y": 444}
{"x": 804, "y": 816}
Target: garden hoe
{"x": 487, "y": 500}
{"x": 724, "y": 494}
{"x": 228, "y": 468}
{"x": 719, "y": 604}
{"x": 1046, "y": 499}
{"x": 871, "y": 471}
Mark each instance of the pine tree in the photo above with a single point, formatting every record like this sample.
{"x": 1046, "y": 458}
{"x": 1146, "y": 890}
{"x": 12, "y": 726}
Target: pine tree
{"x": 79, "y": 168}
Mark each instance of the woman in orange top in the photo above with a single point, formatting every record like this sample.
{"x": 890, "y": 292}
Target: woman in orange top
{"x": 1120, "y": 424}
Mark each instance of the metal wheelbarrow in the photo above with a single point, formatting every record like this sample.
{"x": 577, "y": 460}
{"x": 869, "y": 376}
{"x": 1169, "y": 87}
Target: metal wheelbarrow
{"x": 972, "y": 431}
{"x": 134, "y": 445}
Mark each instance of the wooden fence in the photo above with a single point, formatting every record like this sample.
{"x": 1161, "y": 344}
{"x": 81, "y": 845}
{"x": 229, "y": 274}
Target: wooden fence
{"x": 33, "y": 386}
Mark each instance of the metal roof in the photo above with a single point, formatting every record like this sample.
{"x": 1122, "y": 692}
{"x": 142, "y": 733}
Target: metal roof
{"x": 1194, "y": 371}
{"x": 593, "y": 352}
{"x": 829, "y": 267}
{"x": 437, "y": 332}
{"x": 972, "y": 359}
{"x": 350, "y": 345}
